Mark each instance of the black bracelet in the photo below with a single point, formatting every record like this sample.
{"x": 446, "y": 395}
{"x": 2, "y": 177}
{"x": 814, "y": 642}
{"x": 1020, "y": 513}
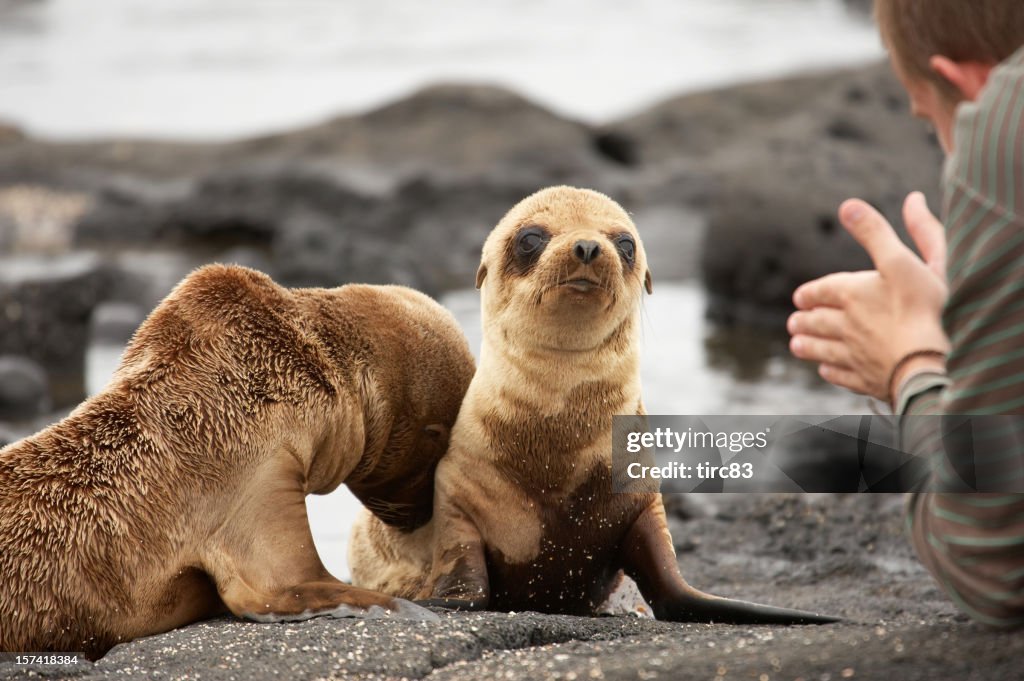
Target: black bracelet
{"x": 903, "y": 360}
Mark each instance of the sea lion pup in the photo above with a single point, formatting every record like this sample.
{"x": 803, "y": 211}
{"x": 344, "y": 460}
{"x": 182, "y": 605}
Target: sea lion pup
{"x": 179, "y": 490}
{"x": 524, "y": 513}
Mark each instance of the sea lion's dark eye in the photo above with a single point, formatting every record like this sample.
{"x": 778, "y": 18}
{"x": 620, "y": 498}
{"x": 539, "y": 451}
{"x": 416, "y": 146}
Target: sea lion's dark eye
{"x": 627, "y": 247}
{"x": 530, "y": 242}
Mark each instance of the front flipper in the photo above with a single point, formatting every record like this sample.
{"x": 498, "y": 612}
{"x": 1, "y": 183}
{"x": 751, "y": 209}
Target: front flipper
{"x": 266, "y": 568}
{"x": 454, "y": 604}
{"x": 332, "y": 600}
{"x": 650, "y": 560}
{"x": 458, "y": 579}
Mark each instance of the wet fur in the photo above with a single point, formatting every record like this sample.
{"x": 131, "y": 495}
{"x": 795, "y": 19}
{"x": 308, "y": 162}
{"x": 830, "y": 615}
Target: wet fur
{"x": 178, "y": 492}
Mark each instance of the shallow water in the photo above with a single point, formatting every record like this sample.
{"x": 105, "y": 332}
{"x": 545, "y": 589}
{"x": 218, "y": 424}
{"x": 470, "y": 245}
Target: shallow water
{"x": 689, "y": 367}
{"x": 229, "y": 68}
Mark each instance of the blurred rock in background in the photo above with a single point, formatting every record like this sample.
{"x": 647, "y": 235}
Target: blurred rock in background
{"x": 738, "y": 186}
{"x": 24, "y": 389}
{"x": 862, "y": 6}
{"x": 769, "y": 164}
{"x": 45, "y": 306}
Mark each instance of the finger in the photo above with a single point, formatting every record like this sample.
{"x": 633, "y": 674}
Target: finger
{"x": 819, "y": 350}
{"x": 828, "y": 291}
{"x": 843, "y": 378}
{"x": 832, "y": 290}
{"x": 875, "y": 234}
{"x": 927, "y": 232}
{"x": 823, "y": 322}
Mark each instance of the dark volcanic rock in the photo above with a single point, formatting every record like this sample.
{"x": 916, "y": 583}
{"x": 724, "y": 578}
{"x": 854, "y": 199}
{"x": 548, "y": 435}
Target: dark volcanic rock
{"x": 24, "y": 389}
{"x": 528, "y": 646}
{"x": 313, "y": 249}
{"x": 697, "y": 125}
{"x": 113, "y": 323}
{"x": 292, "y": 219}
{"x": 353, "y": 199}
{"x": 439, "y": 229}
{"x": 445, "y": 130}
{"x": 45, "y": 306}
{"x": 222, "y": 210}
{"x": 861, "y": 6}
{"x": 9, "y": 133}
{"x": 405, "y": 193}
{"x": 779, "y": 228}
{"x": 253, "y": 257}
{"x": 427, "y": 233}
{"x": 855, "y": 104}
{"x": 449, "y": 131}
{"x": 779, "y": 158}
{"x": 761, "y": 244}
{"x": 843, "y": 554}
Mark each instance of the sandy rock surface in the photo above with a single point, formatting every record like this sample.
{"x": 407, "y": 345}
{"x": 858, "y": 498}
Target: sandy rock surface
{"x": 842, "y": 554}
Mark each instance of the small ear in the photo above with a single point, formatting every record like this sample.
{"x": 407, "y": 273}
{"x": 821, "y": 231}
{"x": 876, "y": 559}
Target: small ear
{"x": 969, "y": 77}
{"x": 437, "y": 430}
{"x": 648, "y": 283}
{"x": 481, "y": 274}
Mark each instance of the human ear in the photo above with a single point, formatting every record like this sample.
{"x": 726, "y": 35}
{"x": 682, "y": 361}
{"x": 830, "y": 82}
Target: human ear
{"x": 969, "y": 77}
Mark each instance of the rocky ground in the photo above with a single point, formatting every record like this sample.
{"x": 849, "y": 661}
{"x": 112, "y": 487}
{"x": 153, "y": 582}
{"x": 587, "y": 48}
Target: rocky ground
{"x": 842, "y": 554}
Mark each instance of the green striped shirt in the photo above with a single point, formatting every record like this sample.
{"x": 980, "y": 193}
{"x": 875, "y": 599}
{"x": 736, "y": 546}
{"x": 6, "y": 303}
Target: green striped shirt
{"x": 974, "y": 543}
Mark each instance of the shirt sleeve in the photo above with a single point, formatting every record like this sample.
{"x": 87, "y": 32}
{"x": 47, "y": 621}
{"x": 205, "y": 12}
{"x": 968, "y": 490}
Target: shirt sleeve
{"x": 972, "y": 543}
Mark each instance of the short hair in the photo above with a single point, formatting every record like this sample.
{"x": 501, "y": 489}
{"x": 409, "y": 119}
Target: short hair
{"x": 986, "y": 31}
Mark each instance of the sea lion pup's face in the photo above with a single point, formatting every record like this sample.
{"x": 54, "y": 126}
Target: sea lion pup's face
{"x": 563, "y": 269}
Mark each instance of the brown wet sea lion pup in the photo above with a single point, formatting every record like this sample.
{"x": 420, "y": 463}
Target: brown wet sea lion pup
{"x": 178, "y": 492}
{"x": 524, "y": 513}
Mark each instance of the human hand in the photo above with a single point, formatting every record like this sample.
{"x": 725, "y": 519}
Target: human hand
{"x": 858, "y": 325}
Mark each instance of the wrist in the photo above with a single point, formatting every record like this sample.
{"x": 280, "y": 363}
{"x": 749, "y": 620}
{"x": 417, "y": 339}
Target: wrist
{"x": 932, "y": 361}
{"x": 917, "y": 384}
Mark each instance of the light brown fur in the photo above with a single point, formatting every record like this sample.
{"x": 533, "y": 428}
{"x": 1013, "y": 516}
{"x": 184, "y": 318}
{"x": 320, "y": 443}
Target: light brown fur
{"x": 535, "y": 428}
{"x": 525, "y": 516}
{"x": 178, "y": 491}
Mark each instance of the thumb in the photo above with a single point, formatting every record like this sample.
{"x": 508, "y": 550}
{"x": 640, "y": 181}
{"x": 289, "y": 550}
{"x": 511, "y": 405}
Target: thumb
{"x": 874, "y": 233}
{"x": 927, "y": 232}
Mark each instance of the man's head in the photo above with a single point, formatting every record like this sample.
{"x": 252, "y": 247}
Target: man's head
{"x": 943, "y": 50}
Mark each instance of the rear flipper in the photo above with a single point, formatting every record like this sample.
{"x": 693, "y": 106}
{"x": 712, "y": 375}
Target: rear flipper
{"x": 387, "y": 559}
{"x": 701, "y": 607}
{"x": 650, "y": 560}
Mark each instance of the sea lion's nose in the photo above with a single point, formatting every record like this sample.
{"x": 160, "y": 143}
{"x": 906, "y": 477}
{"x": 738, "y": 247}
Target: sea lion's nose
{"x": 586, "y": 251}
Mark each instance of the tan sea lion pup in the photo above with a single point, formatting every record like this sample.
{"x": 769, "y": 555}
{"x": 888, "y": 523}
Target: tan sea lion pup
{"x": 180, "y": 489}
{"x": 524, "y": 513}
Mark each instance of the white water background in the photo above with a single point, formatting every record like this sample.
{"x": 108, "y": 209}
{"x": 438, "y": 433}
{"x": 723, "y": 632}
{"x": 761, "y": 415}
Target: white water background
{"x": 214, "y": 69}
